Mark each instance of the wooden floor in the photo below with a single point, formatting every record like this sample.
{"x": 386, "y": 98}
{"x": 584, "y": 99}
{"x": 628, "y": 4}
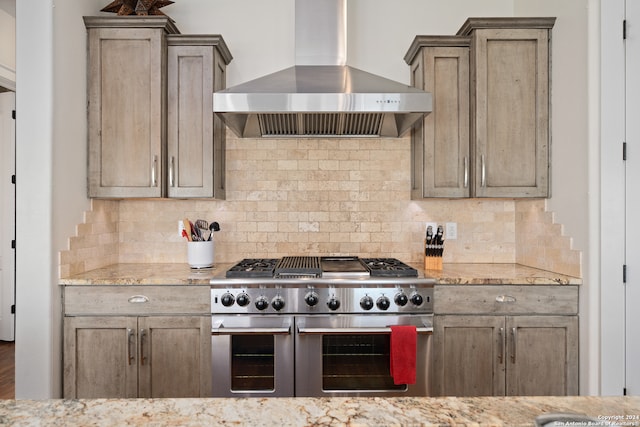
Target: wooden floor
{"x": 7, "y": 370}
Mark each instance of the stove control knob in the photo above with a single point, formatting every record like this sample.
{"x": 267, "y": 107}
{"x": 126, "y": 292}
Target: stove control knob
{"x": 333, "y": 303}
{"x": 277, "y": 303}
{"x": 401, "y": 299}
{"x": 227, "y": 299}
{"x": 262, "y": 303}
{"x": 416, "y": 299}
{"x": 242, "y": 299}
{"x": 383, "y": 303}
{"x": 366, "y": 302}
{"x": 311, "y": 299}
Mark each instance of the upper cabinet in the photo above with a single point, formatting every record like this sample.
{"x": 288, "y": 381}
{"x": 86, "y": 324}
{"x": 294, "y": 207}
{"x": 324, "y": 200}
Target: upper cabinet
{"x": 151, "y": 127}
{"x": 196, "y": 67}
{"x": 440, "y": 144}
{"x": 488, "y": 134}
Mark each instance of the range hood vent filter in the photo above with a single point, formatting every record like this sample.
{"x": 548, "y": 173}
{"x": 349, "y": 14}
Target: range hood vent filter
{"x": 320, "y": 124}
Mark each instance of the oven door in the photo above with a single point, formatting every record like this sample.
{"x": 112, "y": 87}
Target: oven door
{"x": 252, "y": 356}
{"x": 348, "y": 355}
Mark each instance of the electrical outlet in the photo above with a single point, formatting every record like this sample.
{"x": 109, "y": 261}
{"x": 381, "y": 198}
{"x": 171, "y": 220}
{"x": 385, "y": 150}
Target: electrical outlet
{"x": 180, "y": 227}
{"x": 451, "y": 231}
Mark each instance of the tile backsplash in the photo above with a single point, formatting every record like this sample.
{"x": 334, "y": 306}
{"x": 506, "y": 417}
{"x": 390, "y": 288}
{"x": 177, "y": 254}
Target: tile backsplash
{"x": 316, "y": 197}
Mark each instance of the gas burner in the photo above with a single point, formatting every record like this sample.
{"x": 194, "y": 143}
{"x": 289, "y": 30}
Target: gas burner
{"x": 253, "y": 267}
{"x": 389, "y": 267}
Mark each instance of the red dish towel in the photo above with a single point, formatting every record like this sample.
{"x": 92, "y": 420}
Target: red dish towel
{"x": 403, "y": 354}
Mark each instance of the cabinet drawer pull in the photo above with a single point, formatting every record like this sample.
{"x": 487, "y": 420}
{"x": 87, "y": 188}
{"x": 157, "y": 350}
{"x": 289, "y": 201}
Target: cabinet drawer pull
{"x": 506, "y": 299}
{"x": 154, "y": 165}
{"x": 466, "y": 172}
{"x": 130, "y": 341}
{"x": 513, "y": 345}
{"x": 501, "y": 338}
{"x": 143, "y": 336}
{"x": 171, "y": 171}
{"x": 138, "y": 299}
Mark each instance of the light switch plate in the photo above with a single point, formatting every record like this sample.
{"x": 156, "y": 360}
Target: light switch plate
{"x": 451, "y": 231}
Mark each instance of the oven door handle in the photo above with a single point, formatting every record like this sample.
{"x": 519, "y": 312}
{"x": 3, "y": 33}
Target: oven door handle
{"x": 219, "y": 329}
{"x": 358, "y": 331}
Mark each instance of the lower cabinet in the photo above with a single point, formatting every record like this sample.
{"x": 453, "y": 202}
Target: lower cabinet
{"x": 512, "y": 355}
{"x": 128, "y": 356}
{"x": 505, "y": 349}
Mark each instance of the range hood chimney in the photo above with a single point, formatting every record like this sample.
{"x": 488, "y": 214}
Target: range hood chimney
{"x": 321, "y": 96}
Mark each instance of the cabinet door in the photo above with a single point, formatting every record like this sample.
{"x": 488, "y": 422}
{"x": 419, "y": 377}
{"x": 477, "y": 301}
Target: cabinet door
{"x": 126, "y": 99}
{"x": 469, "y": 356}
{"x": 190, "y": 129}
{"x": 445, "y": 133}
{"x": 175, "y": 356}
{"x": 510, "y": 112}
{"x": 100, "y": 358}
{"x": 542, "y": 355}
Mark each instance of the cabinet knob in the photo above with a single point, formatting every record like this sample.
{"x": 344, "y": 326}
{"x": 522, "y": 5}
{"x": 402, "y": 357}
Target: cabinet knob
{"x": 506, "y": 299}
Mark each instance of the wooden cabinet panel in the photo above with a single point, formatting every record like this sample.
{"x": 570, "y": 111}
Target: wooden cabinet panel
{"x": 441, "y": 144}
{"x": 152, "y": 131}
{"x": 136, "y": 300}
{"x": 478, "y": 355}
{"x": 195, "y": 70}
{"x": 489, "y": 133}
{"x": 124, "y": 354}
{"x": 496, "y": 340}
{"x": 178, "y": 352}
{"x": 506, "y": 299}
{"x": 510, "y": 115}
{"x": 126, "y": 106}
{"x": 551, "y": 368}
{"x": 97, "y": 352}
{"x": 466, "y": 351}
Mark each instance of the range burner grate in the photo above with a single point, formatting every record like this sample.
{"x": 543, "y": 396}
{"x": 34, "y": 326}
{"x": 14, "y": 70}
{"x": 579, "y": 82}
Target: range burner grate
{"x": 389, "y": 267}
{"x": 253, "y": 267}
{"x": 298, "y": 266}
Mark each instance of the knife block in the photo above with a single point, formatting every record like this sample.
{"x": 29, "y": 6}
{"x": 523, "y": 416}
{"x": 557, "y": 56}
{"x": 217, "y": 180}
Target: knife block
{"x": 433, "y": 256}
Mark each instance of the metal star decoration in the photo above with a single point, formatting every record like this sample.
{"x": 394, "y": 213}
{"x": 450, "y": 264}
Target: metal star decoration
{"x": 137, "y": 7}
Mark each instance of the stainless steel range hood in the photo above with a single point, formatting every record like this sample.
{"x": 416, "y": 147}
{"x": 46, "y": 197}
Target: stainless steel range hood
{"x": 321, "y": 96}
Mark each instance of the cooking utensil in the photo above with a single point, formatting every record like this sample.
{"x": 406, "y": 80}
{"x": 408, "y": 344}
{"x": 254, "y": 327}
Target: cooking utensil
{"x": 202, "y": 227}
{"x": 187, "y": 228}
{"x": 214, "y": 226}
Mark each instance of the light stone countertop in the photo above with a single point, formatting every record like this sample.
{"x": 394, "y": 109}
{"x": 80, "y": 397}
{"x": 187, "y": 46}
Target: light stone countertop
{"x": 447, "y": 411}
{"x": 181, "y": 274}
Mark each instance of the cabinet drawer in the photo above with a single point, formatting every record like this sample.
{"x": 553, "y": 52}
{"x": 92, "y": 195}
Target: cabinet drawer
{"x": 505, "y": 299}
{"x": 136, "y": 300}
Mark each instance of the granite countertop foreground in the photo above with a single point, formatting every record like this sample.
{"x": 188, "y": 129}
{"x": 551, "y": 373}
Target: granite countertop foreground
{"x": 446, "y": 411}
{"x": 181, "y": 274}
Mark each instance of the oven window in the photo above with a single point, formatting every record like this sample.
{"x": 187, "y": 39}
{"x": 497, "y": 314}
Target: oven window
{"x": 357, "y": 362}
{"x": 252, "y": 363}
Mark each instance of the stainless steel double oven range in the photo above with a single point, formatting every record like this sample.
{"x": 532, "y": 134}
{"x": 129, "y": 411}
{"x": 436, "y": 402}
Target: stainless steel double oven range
{"x": 317, "y": 326}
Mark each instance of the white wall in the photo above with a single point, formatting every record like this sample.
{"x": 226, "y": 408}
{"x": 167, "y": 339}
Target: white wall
{"x": 260, "y": 34}
{"x": 570, "y": 148}
{"x": 51, "y": 170}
